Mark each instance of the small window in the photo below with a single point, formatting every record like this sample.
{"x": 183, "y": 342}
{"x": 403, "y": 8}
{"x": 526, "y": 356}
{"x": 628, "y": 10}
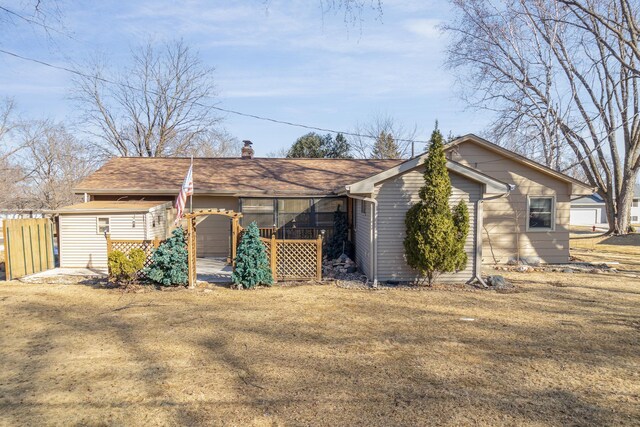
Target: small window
{"x": 103, "y": 225}
{"x": 634, "y": 219}
{"x": 363, "y": 207}
{"x": 635, "y": 203}
{"x": 541, "y": 215}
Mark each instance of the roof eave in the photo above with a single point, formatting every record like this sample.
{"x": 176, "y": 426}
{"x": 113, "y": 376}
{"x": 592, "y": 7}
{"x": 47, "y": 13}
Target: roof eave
{"x": 492, "y": 186}
{"x": 586, "y": 189}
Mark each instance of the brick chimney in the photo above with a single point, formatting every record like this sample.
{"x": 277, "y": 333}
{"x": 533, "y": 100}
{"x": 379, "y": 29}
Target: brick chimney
{"x": 247, "y": 151}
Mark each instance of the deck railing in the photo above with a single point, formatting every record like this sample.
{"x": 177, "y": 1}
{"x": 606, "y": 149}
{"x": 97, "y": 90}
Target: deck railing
{"x": 298, "y": 233}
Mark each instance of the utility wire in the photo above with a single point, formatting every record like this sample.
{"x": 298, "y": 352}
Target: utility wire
{"x": 41, "y": 24}
{"x": 225, "y": 110}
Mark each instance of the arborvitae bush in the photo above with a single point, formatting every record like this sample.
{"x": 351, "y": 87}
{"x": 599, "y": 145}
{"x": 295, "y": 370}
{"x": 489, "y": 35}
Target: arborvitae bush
{"x": 169, "y": 262}
{"x": 251, "y": 263}
{"x": 435, "y": 235}
{"x": 338, "y": 244}
{"x": 124, "y": 268}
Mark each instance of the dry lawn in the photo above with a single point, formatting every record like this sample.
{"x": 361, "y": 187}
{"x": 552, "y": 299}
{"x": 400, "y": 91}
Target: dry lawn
{"x": 564, "y": 350}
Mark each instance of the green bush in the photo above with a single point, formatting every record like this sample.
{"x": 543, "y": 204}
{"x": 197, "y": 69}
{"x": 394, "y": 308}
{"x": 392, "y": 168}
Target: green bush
{"x": 124, "y": 268}
{"x": 169, "y": 262}
{"x": 435, "y": 234}
{"x": 339, "y": 243}
{"x": 252, "y": 265}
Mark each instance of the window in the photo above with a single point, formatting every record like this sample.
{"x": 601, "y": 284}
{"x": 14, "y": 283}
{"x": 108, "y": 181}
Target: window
{"x": 634, "y": 219}
{"x": 294, "y": 212}
{"x": 541, "y": 213}
{"x": 635, "y": 203}
{"x": 103, "y": 225}
{"x": 258, "y": 210}
{"x": 325, "y": 210}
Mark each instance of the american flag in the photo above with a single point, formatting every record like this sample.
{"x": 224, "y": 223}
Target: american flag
{"x": 185, "y": 191}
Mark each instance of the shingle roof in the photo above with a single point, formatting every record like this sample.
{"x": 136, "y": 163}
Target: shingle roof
{"x": 110, "y": 206}
{"x": 230, "y": 175}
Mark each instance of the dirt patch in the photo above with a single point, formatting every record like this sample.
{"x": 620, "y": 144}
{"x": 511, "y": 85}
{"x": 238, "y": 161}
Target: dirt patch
{"x": 322, "y": 355}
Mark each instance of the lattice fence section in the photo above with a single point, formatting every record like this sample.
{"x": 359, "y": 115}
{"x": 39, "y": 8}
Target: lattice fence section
{"x": 296, "y": 260}
{"x": 126, "y": 245}
{"x": 267, "y": 245}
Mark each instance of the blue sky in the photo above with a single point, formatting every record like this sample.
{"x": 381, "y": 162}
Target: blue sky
{"x": 282, "y": 59}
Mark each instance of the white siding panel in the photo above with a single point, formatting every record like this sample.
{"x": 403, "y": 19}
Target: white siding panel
{"x": 82, "y": 246}
{"x": 157, "y": 224}
{"x": 395, "y": 196}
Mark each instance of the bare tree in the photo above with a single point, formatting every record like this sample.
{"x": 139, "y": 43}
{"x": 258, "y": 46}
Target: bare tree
{"x": 11, "y": 174}
{"x": 41, "y": 15}
{"x": 279, "y": 153}
{"x": 546, "y": 69}
{"x": 383, "y": 124}
{"x": 217, "y": 143}
{"x": 159, "y": 106}
{"x": 53, "y": 162}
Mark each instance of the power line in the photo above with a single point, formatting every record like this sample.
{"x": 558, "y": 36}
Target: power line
{"x": 41, "y": 24}
{"x": 225, "y": 110}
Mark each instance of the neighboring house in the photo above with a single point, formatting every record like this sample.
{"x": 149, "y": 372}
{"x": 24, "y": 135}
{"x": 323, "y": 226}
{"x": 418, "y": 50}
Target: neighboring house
{"x": 590, "y": 210}
{"x": 518, "y": 208}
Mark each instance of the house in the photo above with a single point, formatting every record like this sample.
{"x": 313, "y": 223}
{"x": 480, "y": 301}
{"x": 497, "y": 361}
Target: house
{"x": 591, "y": 211}
{"x": 518, "y": 208}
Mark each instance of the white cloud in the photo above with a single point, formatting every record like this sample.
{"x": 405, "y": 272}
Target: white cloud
{"x": 427, "y": 28}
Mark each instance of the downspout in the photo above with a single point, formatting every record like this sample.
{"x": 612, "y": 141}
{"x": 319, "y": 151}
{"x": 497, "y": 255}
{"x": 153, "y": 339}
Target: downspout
{"x": 478, "y": 252}
{"x": 479, "y": 225}
{"x": 373, "y": 241}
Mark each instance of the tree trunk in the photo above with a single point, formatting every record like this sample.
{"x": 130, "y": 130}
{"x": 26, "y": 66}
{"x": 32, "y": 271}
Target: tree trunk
{"x": 622, "y": 218}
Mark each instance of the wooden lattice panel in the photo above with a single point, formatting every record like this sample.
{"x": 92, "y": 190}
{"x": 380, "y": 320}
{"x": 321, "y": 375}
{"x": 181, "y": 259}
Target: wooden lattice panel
{"x": 296, "y": 260}
{"x": 267, "y": 246}
{"x": 127, "y": 245}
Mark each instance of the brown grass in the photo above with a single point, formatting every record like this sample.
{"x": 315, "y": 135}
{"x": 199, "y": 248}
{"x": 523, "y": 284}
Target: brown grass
{"x": 562, "y": 351}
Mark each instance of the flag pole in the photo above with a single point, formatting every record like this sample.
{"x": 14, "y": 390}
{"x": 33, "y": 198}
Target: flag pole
{"x": 192, "y": 187}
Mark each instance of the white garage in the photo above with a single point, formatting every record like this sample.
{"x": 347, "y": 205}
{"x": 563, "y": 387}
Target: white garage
{"x": 583, "y": 216}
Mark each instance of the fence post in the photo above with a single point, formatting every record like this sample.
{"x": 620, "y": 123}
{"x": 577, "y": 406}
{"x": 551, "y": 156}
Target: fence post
{"x": 235, "y": 231}
{"x": 273, "y": 252}
{"x": 156, "y": 242}
{"x": 319, "y": 257}
{"x": 109, "y": 244}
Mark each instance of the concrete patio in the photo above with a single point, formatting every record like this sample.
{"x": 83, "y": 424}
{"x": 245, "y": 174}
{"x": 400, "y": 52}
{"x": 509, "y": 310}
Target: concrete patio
{"x": 213, "y": 270}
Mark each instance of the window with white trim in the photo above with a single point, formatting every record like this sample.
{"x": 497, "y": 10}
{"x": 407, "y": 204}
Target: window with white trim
{"x": 541, "y": 213}
{"x": 635, "y": 203}
{"x": 102, "y": 225}
{"x": 634, "y": 219}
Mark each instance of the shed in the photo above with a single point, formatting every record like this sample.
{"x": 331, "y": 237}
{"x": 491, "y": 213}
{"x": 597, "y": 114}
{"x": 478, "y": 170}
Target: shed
{"x": 83, "y": 228}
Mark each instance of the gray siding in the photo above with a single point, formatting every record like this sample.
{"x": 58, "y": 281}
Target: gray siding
{"x": 362, "y": 232}
{"x": 82, "y": 246}
{"x": 395, "y": 196}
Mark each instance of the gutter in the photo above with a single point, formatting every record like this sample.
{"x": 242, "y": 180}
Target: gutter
{"x": 373, "y": 240}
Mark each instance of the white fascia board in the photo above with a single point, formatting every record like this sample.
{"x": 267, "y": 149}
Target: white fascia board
{"x": 492, "y": 186}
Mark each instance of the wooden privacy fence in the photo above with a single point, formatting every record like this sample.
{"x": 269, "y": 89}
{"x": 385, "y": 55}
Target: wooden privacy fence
{"x": 126, "y": 245}
{"x": 28, "y": 246}
{"x": 298, "y": 259}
